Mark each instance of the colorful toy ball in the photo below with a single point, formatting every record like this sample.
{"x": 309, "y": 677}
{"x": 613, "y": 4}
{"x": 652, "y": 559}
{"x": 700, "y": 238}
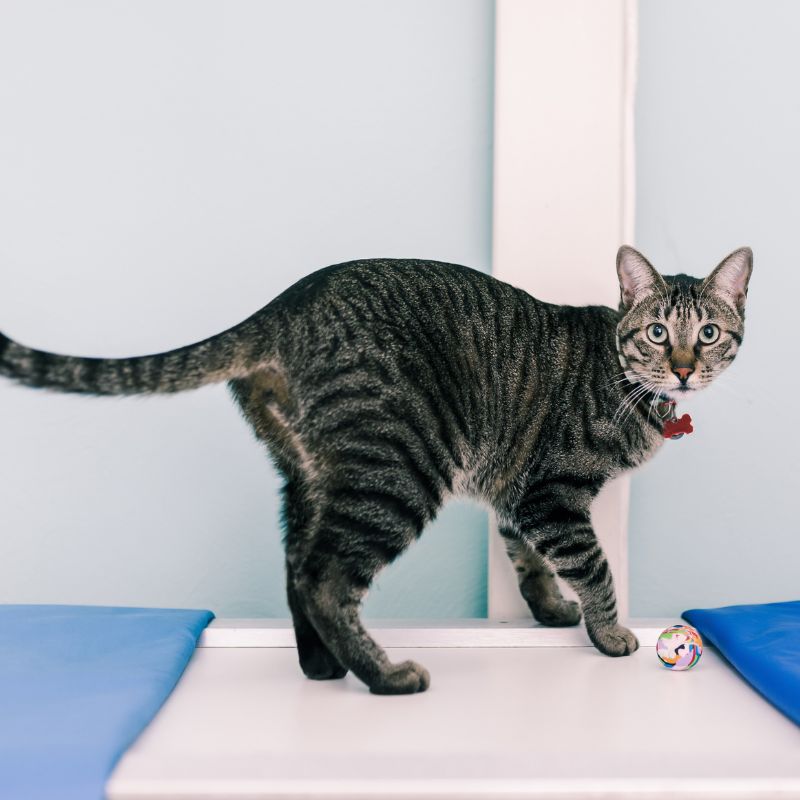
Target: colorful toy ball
{"x": 679, "y": 647}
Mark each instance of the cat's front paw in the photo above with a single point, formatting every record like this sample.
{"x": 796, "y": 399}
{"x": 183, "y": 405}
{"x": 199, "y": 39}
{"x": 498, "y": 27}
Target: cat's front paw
{"x": 613, "y": 640}
{"x": 406, "y": 678}
{"x": 558, "y": 614}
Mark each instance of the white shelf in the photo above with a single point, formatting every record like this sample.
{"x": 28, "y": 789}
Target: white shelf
{"x": 420, "y": 633}
{"x": 536, "y": 720}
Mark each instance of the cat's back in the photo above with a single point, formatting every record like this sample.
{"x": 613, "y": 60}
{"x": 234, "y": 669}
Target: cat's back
{"x": 401, "y": 279}
{"x": 431, "y": 307}
{"x": 435, "y": 297}
{"x": 431, "y": 310}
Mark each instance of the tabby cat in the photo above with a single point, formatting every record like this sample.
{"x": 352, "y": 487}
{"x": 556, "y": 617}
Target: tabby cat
{"x": 382, "y": 387}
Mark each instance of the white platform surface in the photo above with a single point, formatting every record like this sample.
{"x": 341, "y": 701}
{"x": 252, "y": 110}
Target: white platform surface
{"x": 542, "y": 716}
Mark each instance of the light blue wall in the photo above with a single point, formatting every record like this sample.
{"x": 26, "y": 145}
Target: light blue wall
{"x": 714, "y": 517}
{"x": 167, "y": 168}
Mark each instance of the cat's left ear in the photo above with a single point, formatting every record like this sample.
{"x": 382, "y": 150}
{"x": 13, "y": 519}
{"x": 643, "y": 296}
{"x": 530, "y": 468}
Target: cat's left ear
{"x": 731, "y": 277}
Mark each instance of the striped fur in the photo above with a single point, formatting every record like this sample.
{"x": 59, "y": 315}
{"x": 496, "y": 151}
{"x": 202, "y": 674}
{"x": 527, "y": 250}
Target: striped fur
{"x": 382, "y": 387}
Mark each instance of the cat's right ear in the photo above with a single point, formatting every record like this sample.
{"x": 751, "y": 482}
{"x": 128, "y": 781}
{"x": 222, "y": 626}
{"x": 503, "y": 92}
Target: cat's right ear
{"x": 637, "y": 276}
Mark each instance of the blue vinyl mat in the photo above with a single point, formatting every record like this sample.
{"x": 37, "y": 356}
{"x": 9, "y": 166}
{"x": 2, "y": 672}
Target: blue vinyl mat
{"x": 78, "y": 684}
{"x": 763, "y": 643}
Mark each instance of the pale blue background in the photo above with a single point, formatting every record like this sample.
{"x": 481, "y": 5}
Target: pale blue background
{"x": 714, "y": 517}
{"x": 168, "y": 168}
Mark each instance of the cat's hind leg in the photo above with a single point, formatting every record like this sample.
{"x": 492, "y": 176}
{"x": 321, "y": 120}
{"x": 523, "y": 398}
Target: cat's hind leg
{"x": 358, "y": 532}
{"x": 316, "y": 660}
{"x": 332, "y": 603}
{"x": 363, "y": 481}
{"x": 538, "y": 586}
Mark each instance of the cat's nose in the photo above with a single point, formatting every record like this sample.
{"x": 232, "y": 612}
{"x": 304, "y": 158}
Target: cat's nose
{"x": 683, "y": 373}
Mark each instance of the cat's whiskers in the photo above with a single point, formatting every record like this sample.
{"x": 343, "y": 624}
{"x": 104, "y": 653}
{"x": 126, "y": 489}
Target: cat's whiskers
{"x": 620, "y": 408}
{"x": 618, "y": 381}
{"x": 653, "y": 389}
{"x": 650, "y": 409}
{"x": 629, "y": 403}
{"x": 648, "y": 386}
{"x": 617, "y": 376}
{"x": 637, "y": 395}
{"x": 653, "y": 401}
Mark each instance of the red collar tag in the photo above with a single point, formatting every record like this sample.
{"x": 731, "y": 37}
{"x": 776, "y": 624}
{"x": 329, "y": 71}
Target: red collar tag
{"x": 674, "y": 428}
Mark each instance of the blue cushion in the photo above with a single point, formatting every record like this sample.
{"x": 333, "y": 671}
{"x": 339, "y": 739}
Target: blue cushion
{"x": 763, "y": 643}
{"x": 78, "y": 684}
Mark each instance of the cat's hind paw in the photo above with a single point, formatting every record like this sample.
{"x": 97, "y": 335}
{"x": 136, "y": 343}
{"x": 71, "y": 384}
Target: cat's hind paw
{"x": 320, "y": 665}
{"x": 405, "y": 678}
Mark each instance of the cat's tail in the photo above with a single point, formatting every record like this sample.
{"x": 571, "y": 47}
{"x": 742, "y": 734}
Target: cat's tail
{"x": 219, "y": 358}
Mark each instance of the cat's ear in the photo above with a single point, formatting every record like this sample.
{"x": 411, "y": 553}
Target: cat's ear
{"x": 731, "y": 277}
{"x": 637, "y": 276}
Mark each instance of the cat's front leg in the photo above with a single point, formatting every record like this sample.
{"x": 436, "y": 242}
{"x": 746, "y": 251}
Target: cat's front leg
{"x": 555, "y": 521}
{"x": 537, "y": 584}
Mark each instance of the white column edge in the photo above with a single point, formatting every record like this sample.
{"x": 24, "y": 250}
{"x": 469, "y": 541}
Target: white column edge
{"x": 613, "y": 27}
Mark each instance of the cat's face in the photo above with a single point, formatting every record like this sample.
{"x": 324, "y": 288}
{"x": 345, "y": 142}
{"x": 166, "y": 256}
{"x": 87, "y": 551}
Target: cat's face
{"x": 678, "y": 333}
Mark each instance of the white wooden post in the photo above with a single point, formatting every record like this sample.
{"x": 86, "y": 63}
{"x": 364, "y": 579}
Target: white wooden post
{"x": 564, "y": 191}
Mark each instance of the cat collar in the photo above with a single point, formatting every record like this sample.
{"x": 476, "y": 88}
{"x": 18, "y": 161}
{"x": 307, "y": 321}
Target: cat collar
{"x": 674, "y": 428}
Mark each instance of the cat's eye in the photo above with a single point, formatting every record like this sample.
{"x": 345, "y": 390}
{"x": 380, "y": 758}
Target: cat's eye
{"x": 709, "y": 334}
{"x": 657, "y": 333}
